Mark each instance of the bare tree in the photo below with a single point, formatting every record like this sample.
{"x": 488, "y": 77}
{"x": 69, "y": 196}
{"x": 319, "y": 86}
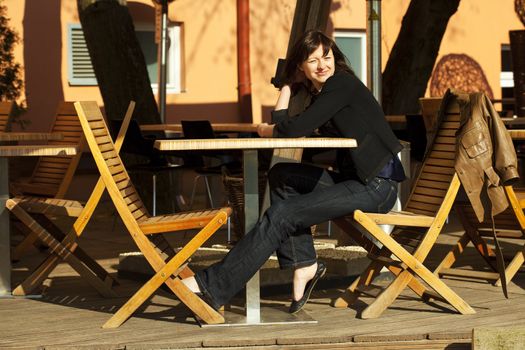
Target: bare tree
{"x": 414, "y": 54}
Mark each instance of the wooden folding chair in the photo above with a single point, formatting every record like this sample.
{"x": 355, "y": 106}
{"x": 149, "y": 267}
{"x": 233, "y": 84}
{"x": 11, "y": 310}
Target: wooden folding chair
{"x": 141, "y": 225}
{"x": 6, "y": 108}
{"x": 510, "y": 224}
{"x": 32, "y": 211}
{"x": 53, "y": 175}
{"x": 416, "y": 230}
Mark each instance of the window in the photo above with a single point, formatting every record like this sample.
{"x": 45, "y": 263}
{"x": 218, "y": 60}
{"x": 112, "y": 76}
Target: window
{"x": 80, "y": 69}
{"x": 353, "y": 46}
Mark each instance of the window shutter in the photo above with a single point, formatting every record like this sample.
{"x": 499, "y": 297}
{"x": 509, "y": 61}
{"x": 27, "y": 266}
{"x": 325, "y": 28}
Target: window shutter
{"x": 80, "y": 68}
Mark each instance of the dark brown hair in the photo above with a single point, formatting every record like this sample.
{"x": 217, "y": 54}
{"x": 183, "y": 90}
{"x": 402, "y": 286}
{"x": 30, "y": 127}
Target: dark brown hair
{"x": 308, "y": 43}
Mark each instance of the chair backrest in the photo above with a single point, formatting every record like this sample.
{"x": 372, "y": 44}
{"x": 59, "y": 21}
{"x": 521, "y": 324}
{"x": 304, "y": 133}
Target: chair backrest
{"x": 429, "y": 111}
{"x": 110, "y": 166}
{"x": 438, "y": 176}
{"x": 197, "y": 129}
{"x": 53, "y": 175}
{"x": 6, "y": 108}
{"x": 135, "y": 142}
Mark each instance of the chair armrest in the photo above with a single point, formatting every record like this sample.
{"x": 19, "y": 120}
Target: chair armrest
{"x": 398, "y": 218}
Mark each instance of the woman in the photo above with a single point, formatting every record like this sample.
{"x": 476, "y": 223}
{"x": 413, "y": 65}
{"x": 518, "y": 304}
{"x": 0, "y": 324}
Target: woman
{"x": 304, "y": 195}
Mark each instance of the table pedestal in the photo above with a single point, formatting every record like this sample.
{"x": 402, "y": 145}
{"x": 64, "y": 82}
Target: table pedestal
{"x": 269, "y": 315}
{"x": 253, "y": 314}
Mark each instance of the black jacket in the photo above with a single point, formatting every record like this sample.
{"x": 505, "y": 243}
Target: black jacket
{"x": 346, "y": 108}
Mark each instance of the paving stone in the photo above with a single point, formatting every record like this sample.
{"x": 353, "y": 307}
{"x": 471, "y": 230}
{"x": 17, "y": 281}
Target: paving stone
{"x": 498, "y": 338}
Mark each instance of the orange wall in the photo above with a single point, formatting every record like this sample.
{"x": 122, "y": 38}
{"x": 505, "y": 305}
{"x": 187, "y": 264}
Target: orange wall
{"x": 209, "y": 54}
{"x": 477, "y": 29}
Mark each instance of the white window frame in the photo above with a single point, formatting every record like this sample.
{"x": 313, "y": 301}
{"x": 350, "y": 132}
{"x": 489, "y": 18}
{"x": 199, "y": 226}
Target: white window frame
{"x": 174, "y": 58}
{"x": 342, "y": 33}
{"x": 173, "y": 79}
{"x": 506, "y": 79}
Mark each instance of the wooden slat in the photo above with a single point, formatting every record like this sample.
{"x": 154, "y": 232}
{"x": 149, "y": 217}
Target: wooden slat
{"x": 487, "y": 275}
{"x": 35, "y": 150}
{"x": 438, "y": 169}
{"x": 6, "y": 108}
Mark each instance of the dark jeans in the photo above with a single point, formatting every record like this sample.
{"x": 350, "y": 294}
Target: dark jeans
{"x": 302, "y": 195}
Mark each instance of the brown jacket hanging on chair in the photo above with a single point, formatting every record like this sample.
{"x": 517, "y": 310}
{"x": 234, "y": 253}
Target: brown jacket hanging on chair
{"x": 485, "y": 162}
{"x": 485, "y": 156}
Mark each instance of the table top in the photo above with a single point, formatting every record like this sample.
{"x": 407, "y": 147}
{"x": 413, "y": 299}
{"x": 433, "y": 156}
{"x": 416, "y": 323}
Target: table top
{"x": 254, "y": 143}
{"x": 239, "y": 127}
{"x": 218, "y": 127}
{"x": 517, "y": 134}
{"x": 38, "y": 150}
{"x": 30, "y": 136}
{"x": 514, "y": 121}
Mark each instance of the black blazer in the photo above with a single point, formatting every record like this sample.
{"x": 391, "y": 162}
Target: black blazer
{"x": 346, "y": 106}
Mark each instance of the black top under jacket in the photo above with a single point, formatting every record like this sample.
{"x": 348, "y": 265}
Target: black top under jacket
{"x": 346, "y": 108}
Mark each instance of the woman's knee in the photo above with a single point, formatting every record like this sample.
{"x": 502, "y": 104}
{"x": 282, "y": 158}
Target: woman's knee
{"x": 279, "y": 214}
{"x": 278, "y": 174}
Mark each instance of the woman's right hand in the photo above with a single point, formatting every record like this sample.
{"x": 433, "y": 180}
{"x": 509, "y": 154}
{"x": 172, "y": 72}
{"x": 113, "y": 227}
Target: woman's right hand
{"x": 265, "y": 130}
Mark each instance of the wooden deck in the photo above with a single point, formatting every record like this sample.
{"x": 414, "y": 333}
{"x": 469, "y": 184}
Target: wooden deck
{"x": 70, "y": 314}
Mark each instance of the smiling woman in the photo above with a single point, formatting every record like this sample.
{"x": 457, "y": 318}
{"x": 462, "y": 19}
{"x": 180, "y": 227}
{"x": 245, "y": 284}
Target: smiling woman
{"x": 318, "y": 67}
{"x": 304, "y": 195}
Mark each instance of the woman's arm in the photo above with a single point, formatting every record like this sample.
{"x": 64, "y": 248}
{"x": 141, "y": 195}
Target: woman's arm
{"x": 284, "y": 98}
{"x": 265, "y": 129}
{"x": 333, "y": 97}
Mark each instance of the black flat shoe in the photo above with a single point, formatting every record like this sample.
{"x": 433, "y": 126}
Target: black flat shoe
{"x": 295, "y": 306}
{"x": 207, "y": 299}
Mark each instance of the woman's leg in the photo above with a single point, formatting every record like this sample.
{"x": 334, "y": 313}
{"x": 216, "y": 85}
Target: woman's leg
{"x": 289, "y": 180}
{"x": 223, "y": 280}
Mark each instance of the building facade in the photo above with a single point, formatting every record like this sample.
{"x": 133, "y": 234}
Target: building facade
{"x": 202, "y": 73}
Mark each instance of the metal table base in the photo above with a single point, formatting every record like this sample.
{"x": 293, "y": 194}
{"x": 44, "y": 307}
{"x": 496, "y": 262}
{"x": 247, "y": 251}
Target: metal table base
{"x": 270, "y": 315}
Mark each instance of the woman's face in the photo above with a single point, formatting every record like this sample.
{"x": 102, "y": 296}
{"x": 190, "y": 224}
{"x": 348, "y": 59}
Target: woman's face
{"x": 318, "y": 67}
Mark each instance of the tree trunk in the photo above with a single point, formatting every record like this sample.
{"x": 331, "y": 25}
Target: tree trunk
{"x": 243, "y": 61}
{"x": 122, "y": 76}
{"x": 117, "y": 59}
{"x": 414, "y": 54}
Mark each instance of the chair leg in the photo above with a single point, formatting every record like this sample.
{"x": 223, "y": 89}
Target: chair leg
{"x": 210, "y": 199}
{"x": 387, "y": 297}
{"x": 154, "y": 180}
{"x": 165, "y": 274}
{"x": 208, "y": 190}
{"x": 193, "y": 191}
{"x": 29, "y": 241}
{"x": 452, "y": 255}
{"x": 62, "y": 251}
{"x": 352, "y": 293}
{"x": 415, "y": 265}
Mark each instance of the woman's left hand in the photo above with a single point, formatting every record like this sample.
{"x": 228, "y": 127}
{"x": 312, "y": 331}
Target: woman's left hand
{"x": 265, "y": 130}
